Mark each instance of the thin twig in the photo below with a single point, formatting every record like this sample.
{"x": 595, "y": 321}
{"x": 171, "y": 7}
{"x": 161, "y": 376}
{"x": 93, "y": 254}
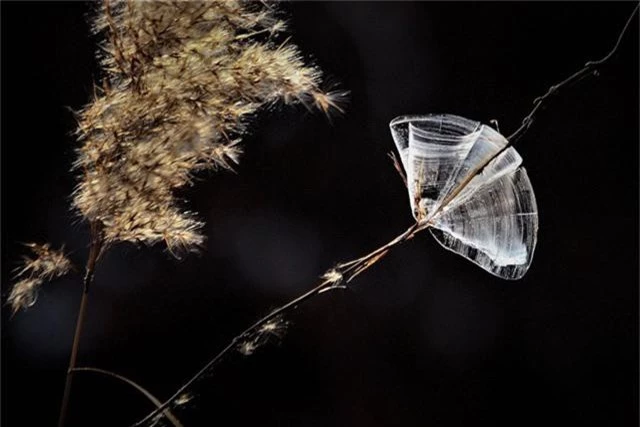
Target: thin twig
{"x": 590, "y": 68}
{"x": 144, "y": 391}
{"x": 94, "y": 254}
{"x": 398, "y": 167}
{"x": 336, "y": 278}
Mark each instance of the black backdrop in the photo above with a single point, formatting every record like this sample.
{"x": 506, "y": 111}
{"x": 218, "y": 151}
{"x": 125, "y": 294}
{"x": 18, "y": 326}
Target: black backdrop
{"x": 423, "y": 338}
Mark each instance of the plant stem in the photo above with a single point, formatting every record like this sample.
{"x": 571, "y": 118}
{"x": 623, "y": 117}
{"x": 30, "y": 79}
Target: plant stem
{"x": 94, "y": 254}
{"x": 335, "y": 278}
{"x": 590, "y": 68}
{"x": 167, "y": 413}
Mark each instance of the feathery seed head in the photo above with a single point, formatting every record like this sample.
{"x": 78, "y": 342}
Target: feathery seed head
{"x": 183, "y": 399}
{"x": 24, "y": 294}
{"x": 247, "y": 348}
{"x": 275, "y": 327}
{"x": 47, "y": 264}
{"x": 333, "y": 276}
{"x": 181, "y": 83}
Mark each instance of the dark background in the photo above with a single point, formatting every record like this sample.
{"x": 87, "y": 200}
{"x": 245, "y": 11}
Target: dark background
{"x": 423, "y": 338}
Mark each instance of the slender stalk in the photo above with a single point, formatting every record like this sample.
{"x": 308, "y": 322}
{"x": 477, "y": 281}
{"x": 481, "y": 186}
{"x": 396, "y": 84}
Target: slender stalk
{"x": 135, "y": 385}
{"x": 336, "y": 278}
{"x": 590, "y": 68}
{"x": 94, "y": 253}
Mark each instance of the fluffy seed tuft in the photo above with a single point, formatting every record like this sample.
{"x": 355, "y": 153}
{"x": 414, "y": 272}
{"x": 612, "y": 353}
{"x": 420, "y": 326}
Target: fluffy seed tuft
{"x": 47, "y": 264}
{"x": 333, "y": 276}
{"x": 275, "y": 327}
{"x": 182, "y": 81}
{"x": 247, "y": 347}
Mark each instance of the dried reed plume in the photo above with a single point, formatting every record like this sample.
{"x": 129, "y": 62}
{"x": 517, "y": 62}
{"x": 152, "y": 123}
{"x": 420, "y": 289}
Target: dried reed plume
{"x": 47, "y": 264}
{"x": 182, "y": 80}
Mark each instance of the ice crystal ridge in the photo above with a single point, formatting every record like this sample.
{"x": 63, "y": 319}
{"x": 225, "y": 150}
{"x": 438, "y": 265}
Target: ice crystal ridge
{"x": 469, "y": 190}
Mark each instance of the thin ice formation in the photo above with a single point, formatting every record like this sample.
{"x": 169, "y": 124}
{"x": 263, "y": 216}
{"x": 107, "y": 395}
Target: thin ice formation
{"x": 475, "y": 197}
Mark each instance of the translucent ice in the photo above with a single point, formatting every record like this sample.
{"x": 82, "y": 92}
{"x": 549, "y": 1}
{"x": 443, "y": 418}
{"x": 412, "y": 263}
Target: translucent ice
{"x": 469, "y": 190}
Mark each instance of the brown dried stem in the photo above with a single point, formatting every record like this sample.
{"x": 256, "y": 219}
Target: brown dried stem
{"x": 167, "y": 413}
{"x": 94, "y": 253}
{"x": 336, "y": 278}
{"x": 590, "y": 68}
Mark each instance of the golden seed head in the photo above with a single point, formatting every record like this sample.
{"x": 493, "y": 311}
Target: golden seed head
{"x": 47, "y": 264}
{"x": 275, "y": 327}
{"x": 182, "y": 81}
{"x": 183, "y": 399}
{"x": 247, "y": 348}
{"x": 333, "y": 276}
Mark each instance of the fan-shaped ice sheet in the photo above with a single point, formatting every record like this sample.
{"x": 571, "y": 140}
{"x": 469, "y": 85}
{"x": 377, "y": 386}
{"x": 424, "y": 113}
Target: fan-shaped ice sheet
{"x": 493, "y": 220}
{"x": 440, "y": 153}
{"x": 479, "y": 203}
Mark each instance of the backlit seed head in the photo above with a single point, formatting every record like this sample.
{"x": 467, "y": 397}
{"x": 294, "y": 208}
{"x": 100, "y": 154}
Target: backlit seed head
{"x": 182, "y": 81}
{"x": 45, "y": 265}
